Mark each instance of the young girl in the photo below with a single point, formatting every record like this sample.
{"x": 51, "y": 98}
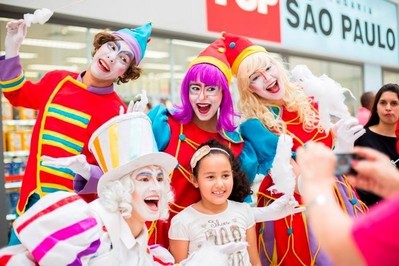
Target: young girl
{"x": 219, "y": 216}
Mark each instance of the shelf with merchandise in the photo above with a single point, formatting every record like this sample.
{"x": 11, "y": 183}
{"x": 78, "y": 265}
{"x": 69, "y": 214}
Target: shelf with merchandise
{"x": 17, "y": 124}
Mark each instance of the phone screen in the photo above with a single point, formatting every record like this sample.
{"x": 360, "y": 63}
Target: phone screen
{"x": 344, "y": 163}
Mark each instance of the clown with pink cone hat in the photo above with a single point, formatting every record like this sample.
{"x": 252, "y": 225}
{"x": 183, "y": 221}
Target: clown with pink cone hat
{"x": 70, "y": 105}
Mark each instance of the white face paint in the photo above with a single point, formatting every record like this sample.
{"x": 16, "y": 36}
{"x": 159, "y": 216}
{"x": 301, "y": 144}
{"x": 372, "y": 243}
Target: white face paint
{"x": 149, "y": 197}
{"x": 111, "y": 60}
{"x": 205, "y": 100}
{"x": 266, "y": 83}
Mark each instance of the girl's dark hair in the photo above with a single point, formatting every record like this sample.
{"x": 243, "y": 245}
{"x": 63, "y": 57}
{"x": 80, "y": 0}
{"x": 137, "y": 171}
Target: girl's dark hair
{"x": 374, "y": 118}
{"x": 241, "y": 185}
{"x": 133, "y": 72}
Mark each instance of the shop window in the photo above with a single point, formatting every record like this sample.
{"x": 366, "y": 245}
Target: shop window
{"x": 391, "y": 76}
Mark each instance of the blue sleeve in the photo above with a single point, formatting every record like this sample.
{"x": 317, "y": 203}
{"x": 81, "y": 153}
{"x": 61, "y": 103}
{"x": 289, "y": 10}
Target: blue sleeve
{"x": 160, "y": 126}
{"x": 259, "y": 149}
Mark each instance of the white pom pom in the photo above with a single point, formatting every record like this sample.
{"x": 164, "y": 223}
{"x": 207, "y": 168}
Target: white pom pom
{"x": 40, "y": 16}
{"x": 281, "y": 172}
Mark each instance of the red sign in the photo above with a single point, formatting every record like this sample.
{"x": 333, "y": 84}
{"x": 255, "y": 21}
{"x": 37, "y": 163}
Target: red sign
{"x": 258, "y": 19}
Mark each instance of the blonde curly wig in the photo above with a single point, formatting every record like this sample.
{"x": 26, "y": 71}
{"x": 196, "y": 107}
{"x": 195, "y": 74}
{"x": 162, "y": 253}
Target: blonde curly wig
{"x": 252, "y": 106}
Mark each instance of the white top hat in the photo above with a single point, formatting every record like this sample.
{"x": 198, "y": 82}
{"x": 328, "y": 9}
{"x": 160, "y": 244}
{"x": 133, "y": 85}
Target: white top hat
{"x": 125, "y": 143}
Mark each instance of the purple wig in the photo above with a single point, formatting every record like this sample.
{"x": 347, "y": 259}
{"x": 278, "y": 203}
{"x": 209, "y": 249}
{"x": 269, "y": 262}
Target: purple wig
{"x": 210, "y": 75}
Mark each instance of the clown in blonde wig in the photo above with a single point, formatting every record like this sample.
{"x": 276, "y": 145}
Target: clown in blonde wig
{"x": 294, "y": 99}
{"x": 279, "y": 117}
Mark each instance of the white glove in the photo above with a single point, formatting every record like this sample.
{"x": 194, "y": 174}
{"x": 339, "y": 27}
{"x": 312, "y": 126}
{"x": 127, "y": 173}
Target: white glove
{"x": 16, "y": 32}
{"x": 346, "y": 131}
{"x": 215, "y": 255}
{"x": 76, "y": 163}
{"x": 280, "y": 208}
{"x": 139, "y": 104}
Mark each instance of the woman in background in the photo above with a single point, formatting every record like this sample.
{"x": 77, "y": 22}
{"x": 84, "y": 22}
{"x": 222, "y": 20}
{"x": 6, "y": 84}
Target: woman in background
{"x": 380, "y": 131}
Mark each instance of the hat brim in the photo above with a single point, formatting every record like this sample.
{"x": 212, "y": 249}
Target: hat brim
{"x": 162, "y": 159}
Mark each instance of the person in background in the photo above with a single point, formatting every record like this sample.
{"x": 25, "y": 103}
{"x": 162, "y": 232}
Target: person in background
{"x": 366, "y": 101}
{"x": 370, "y": 239}
{"x": 62, "y": 229}
{"x": 70, "y": 105}
{"x": 380, "y": 130}
{"x": 274, "y": 109}
{"x": 220, "y": 216}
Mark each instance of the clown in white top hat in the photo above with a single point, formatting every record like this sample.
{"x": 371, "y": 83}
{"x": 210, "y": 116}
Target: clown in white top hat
{"x": 62, "y": 229}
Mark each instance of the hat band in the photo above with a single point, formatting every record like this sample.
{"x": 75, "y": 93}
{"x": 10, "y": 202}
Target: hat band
{"x": 216, "y": 62}
{"x": 132, "y": 43}
{"x": 247, "y": 51}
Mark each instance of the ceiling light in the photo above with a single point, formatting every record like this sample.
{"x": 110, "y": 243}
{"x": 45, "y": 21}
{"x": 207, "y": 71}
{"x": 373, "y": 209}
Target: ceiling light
{"x": 76, "y": 29}
{"x": 77, "y": 60}
{"x": 161, "y": 66}
{"x": 40, "y": 67}
{"x": 156, "y": 54}
{"x": 168, "y": 75}
{"x": 54, "y": 44}
{"x": 24, "y": 55}
{"x": 28, "y": 55}
{"x": 31, "y": 74}
{"x": 190, "y": 44}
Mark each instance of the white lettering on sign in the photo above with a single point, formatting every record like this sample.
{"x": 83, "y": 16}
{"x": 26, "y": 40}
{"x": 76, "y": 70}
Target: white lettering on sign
{"x": 261, "y": 6}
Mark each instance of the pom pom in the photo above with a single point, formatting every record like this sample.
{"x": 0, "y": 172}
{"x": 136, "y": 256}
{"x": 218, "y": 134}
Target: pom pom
{"x": 40, "y": 16}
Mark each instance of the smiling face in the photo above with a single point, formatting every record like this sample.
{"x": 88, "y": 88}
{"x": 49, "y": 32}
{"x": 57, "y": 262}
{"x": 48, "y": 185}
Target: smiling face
{"x": 149, "y": 196}
{"x": 111, "y": 60}
{"x": 205, "y": 100}
{"x": 266, "y": 83}
{"x": 214, "y": 180}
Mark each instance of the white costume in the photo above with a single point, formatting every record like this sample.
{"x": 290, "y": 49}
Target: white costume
{"x": 219, "y": 229}
{"x": 62, "y": 229}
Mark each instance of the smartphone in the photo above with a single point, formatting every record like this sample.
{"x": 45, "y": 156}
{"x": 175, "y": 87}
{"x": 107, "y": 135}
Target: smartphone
{"x": 344, "y": 163}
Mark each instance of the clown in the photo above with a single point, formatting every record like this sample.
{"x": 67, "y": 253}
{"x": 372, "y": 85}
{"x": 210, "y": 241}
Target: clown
{"x": 62, "y": 229}
{"x": 271, "y": 104}
{"x": 70, "y": 105}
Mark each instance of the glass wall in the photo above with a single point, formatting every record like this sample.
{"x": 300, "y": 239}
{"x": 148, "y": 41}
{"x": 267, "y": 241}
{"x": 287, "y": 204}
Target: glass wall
{"x": 349, "y": 76}
{"x": 390, "y": 76}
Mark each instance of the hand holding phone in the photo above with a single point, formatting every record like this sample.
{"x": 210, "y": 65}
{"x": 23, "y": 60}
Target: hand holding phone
{"x": 344, "y": 163}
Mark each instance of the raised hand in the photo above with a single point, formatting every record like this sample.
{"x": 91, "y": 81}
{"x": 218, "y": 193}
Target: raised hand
{"x": 347, "y": 130}
{"x": 139, "y": 104}
{"x": 16, "y": 32}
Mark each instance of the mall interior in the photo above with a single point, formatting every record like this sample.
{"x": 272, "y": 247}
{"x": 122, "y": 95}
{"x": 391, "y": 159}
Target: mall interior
{"x": 179, "y": 35}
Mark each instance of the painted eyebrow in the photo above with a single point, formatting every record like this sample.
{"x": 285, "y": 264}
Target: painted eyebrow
{"x": 160, "y": 174}
{"x": 130, "y": 54}
{"x": 144, "y": 173}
